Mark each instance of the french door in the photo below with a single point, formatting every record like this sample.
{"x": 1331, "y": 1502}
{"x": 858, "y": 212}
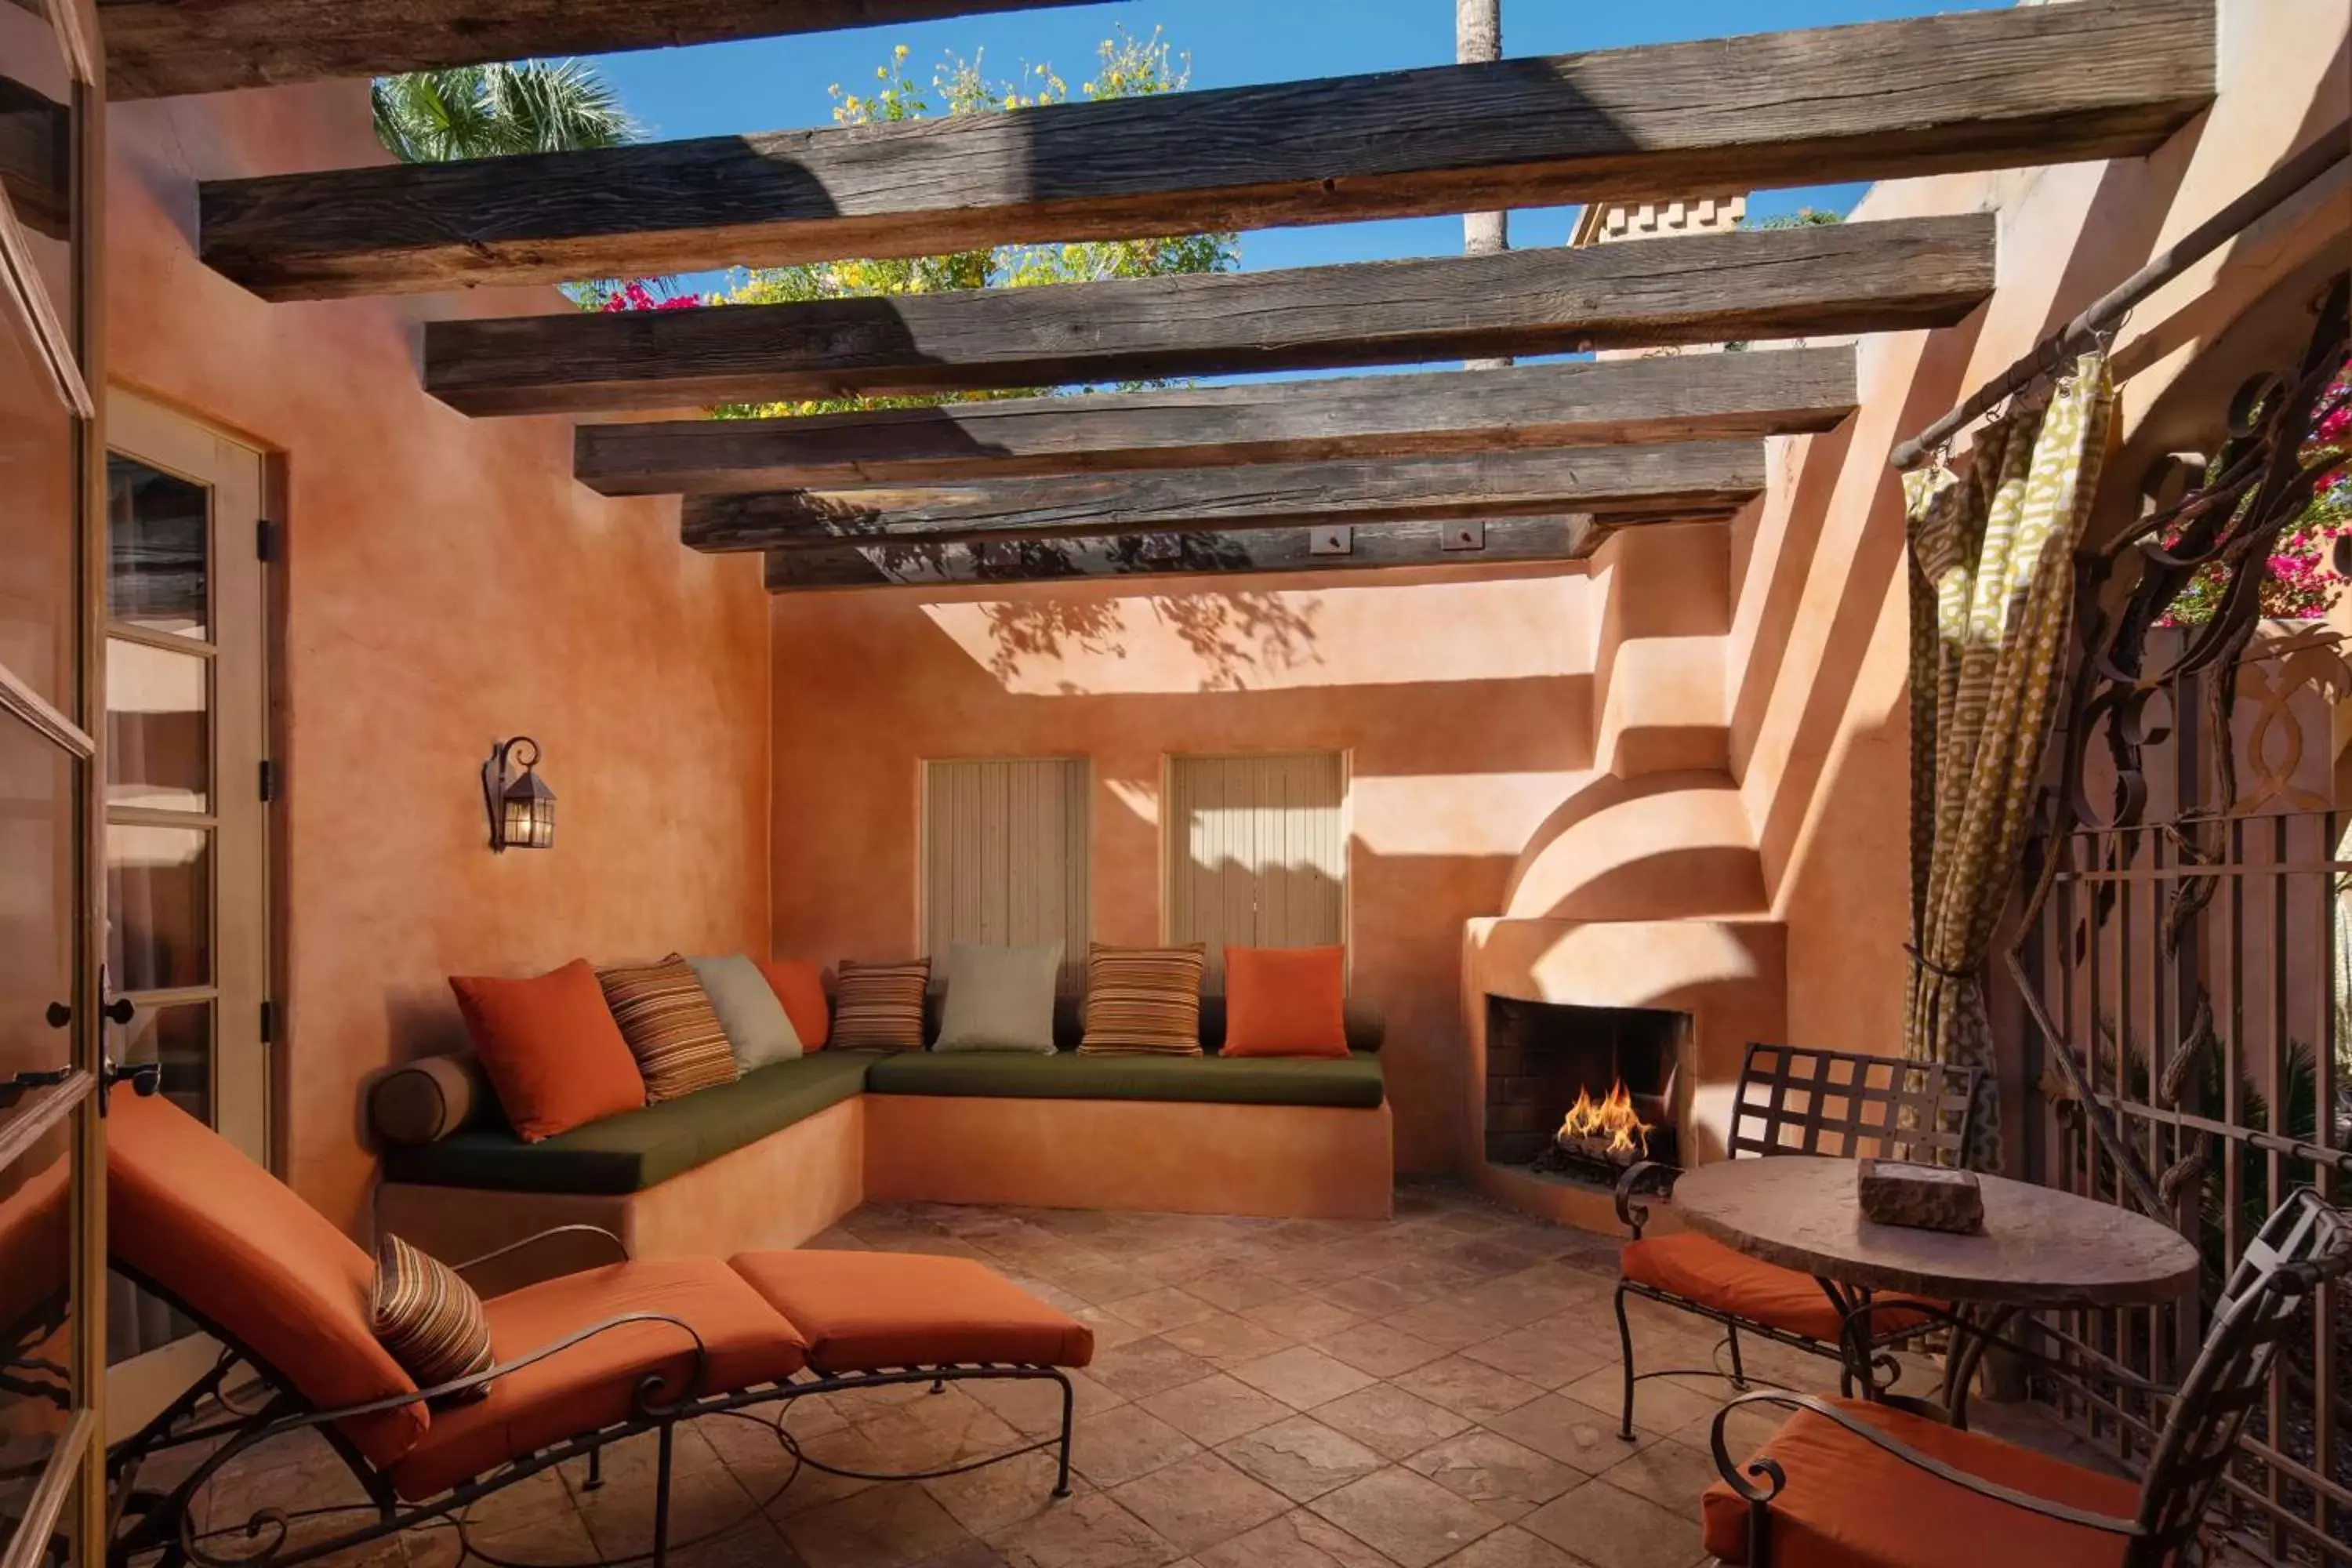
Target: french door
{"x": 186, "y": 791}
{"x": 53, "y": 1066}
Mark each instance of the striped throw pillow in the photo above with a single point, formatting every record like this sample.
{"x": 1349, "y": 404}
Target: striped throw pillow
{"x": 428, "y": 1320}
{"x": 1143, "y": 1001}
{"x": 671, "y": 1028}
{"x": 879, "y": 1007}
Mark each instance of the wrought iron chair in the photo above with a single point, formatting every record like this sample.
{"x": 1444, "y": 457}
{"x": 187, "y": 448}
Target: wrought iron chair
{"x": 1868, "y": 1485}
{"x": 1794, "y": 1100}
{"x": 587, "y": 1359}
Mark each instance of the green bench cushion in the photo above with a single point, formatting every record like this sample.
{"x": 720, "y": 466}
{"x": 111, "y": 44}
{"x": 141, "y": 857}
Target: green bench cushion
{"x": 1353, "y": 1082}
{"x": 639, "y": 1149}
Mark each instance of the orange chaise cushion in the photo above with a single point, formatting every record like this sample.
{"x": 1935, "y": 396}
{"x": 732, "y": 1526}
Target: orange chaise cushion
{"x": 593, "y": 1384}
{"x": 1850, "y": 1505}
{"x": 1285, "y": 1002}
{"x": 799, "y": 984}
{"x": 550, "y": 1048}
{"x": 863, "y": 1311}
{"x": 186, "y": 1209}
{"x": 1699, "y": 1270}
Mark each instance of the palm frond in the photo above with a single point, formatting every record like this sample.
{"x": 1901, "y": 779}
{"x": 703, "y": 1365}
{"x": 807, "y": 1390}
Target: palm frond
{"x": 494, "y": 110}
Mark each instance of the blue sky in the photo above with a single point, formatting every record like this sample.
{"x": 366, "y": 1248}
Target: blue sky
{"x": 780, "y": 83}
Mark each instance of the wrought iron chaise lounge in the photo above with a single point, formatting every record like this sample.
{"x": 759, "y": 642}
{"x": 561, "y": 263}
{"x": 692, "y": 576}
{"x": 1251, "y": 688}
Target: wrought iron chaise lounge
{"x": 583, "y": 1360}
{"x": 1862, "y": 1485}
{"x": 1795, "y": 1099}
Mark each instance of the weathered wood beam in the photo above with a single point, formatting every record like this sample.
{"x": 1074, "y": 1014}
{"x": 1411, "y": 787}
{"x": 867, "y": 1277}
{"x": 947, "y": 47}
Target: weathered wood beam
{"x": 1503, "y": 540}
{"x": 1846, "y": 278}
{"x": 1693, "y": 479}
{"x": 35, "y": 157}
{"x": 158, "y": 48}
{"x": 1982, "y": 89}
{"x": 1701, "y": 397}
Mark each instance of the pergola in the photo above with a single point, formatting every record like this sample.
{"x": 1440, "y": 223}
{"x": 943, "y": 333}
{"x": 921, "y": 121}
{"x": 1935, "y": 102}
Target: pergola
{"x": 1536, "y": 462}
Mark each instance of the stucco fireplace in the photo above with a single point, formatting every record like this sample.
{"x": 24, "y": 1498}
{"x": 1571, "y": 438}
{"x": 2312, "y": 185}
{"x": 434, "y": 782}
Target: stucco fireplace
{"x": 1550, "y": 1067}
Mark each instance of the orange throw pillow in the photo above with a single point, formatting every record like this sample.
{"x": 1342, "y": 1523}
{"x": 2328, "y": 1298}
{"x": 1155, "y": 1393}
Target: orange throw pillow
{"x": 550, "y": 1048}
{"x": 1285, "y": 1002}
{"x": 799, "y": 984}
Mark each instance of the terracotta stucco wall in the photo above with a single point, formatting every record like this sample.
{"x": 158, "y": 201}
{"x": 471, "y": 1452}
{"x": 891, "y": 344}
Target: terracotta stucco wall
{"x": 1820, "y": 728}
{"x": 447, "y": 584}
{"x": 1463, "y": 699}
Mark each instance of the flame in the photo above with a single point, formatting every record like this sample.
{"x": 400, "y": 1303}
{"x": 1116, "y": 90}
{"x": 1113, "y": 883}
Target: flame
{"x": 1611, "y": 1118}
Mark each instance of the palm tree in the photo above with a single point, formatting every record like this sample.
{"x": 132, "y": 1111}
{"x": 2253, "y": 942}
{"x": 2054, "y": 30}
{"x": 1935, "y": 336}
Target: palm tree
{"x": 488, "y": 111}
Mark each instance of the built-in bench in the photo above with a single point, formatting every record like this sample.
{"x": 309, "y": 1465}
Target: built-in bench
{"x": 781, "y": 1153}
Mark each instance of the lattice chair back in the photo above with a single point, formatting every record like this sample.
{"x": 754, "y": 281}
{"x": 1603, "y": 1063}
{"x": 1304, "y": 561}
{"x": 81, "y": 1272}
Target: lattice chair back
{"x": 1797, "y": 1100}
{"x": 2301, "y": 1245}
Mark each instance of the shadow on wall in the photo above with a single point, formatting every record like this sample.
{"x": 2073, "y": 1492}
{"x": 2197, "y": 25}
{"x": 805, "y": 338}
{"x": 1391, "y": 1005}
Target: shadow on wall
{"x": 1232, "y": 634}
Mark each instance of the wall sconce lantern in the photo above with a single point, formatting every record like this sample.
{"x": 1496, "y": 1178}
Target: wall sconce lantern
{"x": 522, "y": 806}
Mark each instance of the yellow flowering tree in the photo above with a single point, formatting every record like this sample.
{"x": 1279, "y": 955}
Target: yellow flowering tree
{"x": 1126, "y": 67}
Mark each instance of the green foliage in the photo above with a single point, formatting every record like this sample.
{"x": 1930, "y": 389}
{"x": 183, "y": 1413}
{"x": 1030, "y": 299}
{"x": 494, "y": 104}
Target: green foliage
{"x": 1126, "y": 67}
{"x": 493, "y": 111}
{"x": 1803, "y": 218}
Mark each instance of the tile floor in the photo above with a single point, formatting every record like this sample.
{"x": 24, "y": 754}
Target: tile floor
{"x": 1439, "y": 1388}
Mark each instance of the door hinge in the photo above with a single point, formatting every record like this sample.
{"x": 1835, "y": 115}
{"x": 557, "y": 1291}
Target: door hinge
{"x": 265, "y": 539}
{"x": 269, "y": 1023}
{"x": 268, "y": 780}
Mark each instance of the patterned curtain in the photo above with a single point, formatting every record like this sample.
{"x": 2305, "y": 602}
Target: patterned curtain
{"x": 1992, "y": 598}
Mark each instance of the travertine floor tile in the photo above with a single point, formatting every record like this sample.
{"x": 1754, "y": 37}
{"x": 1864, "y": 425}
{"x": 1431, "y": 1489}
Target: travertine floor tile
{"x": 1467, "y": 1387}
{"x": 1405, "y": 1517}
{"x": 1389, "y": 1421}
{"x": 1146, "y": 1367}
{"x": 1215, "y": 1409}
{"x": 1379, "y": 1349}
{"x": 1301, "y": 1377}
{"x": 893, "y": 1525}
{"x": 1507, "y": 1479}
{"x": 1608, "y": 1526}
{"x": 1574, "y": 1434}
{"x": 1670, "y": 1474}
{"x": 1302, "y": 1316}
{"x": 1120, "y": 1445}
{"x": 1088, "y": 1531}
{"x": 1298, "y": 1540}
{"x": 1301, "y": 1458}
{"x": 1157, "y": 1311}
{"x": 1200, "y": 1501}
{"x": 1225, "y": 1338}
{"x": 1512, "y": 1547}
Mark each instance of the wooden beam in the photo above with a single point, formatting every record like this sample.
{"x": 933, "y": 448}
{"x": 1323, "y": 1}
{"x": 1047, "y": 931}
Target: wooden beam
{"x": 1504, "y": 540}
{"x": 1694, "y": 480}
{"x": 1983, "y": 90}
{"x": 1700, "y": 397}
{"x": 158, "y": 48}
{"x": 35, "y": 157}
{"x": 1846, "y": 278}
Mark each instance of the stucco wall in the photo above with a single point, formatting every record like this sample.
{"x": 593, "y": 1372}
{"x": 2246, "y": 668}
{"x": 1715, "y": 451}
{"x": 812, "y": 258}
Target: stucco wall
{"x": 447, "y": 584}
{"x": 1820, "y": 730}
{"x": 1462, "y": 698}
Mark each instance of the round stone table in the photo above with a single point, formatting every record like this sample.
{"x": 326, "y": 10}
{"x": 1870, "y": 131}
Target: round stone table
{"x": 2040, "y": 1247}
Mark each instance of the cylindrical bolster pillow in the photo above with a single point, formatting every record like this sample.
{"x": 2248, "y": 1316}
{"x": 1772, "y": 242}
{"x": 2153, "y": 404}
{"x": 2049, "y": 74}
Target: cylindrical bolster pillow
{"x": 1366, "y": 1023}
{"x": 428, "y": 1098}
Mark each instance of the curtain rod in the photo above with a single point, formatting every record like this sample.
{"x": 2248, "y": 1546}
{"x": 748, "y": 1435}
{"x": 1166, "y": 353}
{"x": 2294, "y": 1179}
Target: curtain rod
{"x": 2305, "y": 168}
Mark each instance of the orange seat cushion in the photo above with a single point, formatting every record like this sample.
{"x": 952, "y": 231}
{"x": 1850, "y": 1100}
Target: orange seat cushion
{"x": 186, "y": 1209}
{"x": 1285, "y": 1002}
{"x": 1705, "y": 1271}
{"x": 1850, "y": 1505}
{"x": 550, "y": 1048}
{"x": 593, "y": 1384}
{"x": 865, "y": 1311}
{"x": 799, "y": 984}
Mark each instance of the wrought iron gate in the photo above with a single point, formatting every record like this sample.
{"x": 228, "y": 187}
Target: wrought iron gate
{"x": 2185, "y": 952}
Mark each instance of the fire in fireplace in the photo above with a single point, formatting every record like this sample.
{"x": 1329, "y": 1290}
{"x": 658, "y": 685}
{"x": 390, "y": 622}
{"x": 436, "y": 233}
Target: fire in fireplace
{"x": 1580, "y": 1092}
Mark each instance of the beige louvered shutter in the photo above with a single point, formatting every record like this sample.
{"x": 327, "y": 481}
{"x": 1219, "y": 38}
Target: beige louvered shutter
{"x": 1004, "y": 854}
{"x": 1258, "y": 852}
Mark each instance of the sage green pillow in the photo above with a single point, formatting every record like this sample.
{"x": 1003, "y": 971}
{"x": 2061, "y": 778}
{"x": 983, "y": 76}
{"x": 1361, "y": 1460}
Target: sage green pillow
{"x": 999, "y": 999}
{"x": 758, "y": 1030}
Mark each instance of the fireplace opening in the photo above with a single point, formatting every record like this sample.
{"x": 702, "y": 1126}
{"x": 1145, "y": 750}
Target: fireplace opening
{"x": 1581, "y": 1092}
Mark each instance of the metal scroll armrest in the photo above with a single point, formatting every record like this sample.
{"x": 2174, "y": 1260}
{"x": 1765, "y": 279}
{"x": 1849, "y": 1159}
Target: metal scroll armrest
{"x": 1643, "y": 1176}
{"x": 619, "y": 1246}
{"x": 1761, "y": 1479}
